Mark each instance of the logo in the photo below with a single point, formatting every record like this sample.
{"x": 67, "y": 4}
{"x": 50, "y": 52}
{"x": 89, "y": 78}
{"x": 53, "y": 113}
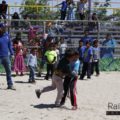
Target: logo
{"x": 113, "y": 109}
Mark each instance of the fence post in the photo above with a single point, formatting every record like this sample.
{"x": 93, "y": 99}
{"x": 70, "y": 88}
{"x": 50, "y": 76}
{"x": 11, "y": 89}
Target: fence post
{"x": 8, "y": 18}
{"x": 44, "y": 28}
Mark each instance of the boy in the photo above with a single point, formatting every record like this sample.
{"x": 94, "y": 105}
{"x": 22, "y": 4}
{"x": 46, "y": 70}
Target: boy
{"x": 32, "y": 64}
{"x": 70, "y": 82}
{"x": 96, "y": 57}
{"x": 80, "y": 50}
{"x": 62, "y": 69}
{"x": 87, "y": 60}
{"x": 51, "y": 57}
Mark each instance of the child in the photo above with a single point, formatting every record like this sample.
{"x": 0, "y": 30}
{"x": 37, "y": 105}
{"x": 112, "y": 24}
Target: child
{"x": 57, "y": 52}
{"x": 87, "y": 60}
{"x": 32, "y": 64}
{"x": 63, "y": 9}
{"x": 51, "y": 57}
{"x": 62, "y": 69}
{"x": 96, "y": 57}
{"x": 19, "y": 65}
{"x": 81, "y": 9}
{"x": 70, "y": 82}
{"x": 80, "y": 50}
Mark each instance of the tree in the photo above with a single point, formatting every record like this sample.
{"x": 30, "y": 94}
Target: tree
{"x": 101, "y": 8}
{"x": 36, "y": 12}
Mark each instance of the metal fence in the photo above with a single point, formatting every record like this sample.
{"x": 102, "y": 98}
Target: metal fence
{"x": 72, "y": 31}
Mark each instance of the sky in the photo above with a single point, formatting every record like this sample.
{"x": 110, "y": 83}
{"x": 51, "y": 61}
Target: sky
{"x": 18, "y": 2}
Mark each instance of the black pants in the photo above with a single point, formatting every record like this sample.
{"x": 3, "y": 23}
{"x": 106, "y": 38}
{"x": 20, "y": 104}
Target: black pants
{"x": 86, "y": 69}
{"x": 82, "y": 16}
{"x": 70, "y": 84}
{"x": 2, "y": 15}
{"x": 95, "y": 66}
{"x": 50, "y": 70}
{"x": 63, "y": 15}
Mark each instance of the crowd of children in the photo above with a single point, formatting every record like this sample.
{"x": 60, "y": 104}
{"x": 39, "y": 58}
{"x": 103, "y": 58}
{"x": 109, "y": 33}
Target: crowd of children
{"x": 63, "y": 65}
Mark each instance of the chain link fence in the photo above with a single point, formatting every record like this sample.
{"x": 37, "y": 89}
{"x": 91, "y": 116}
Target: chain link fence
{"x": 72, "y": 31}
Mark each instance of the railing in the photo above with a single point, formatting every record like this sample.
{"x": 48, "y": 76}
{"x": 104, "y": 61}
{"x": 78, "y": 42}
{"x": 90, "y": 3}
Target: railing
{"x": 53, "y": 8}
{"x": 99, "y": 31}
{"x": 72, "y": 35}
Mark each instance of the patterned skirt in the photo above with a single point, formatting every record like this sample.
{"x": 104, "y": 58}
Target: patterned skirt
{"x": 19, "y": 65}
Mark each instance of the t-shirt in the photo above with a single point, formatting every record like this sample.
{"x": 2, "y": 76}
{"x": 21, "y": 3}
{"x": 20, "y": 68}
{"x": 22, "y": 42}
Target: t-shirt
{"x": 32, "y": 60}
{"x": 64, "y": 66}
{"x": 96, "y": 53}
{"x": 86, "y": 38}
{"x": 63, "y": 48}
{"x": 81, "y": 7}
{"x": 75, "y": 66}
{"x": 109, "y": 48}
{"x": 5, "y": 45}
{"x": 80, "y": 50}
{"x": 51, "y": 54}
{"x": 87, "y": 53}
{"x": 64, "y": 6}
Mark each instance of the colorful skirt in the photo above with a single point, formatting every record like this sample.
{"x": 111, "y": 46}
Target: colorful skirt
{"x": 19, "y": 65}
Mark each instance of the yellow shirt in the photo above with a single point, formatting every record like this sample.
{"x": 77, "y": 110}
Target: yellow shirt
{"x": 50, "y": 54}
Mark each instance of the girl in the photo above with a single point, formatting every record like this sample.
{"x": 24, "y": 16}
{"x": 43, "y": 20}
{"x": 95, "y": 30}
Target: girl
{"x": 19, "y": 65}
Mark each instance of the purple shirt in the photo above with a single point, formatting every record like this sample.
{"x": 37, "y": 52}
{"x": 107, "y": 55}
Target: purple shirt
{"x": 64, "y": 6}
{"x": 85, "y": 39}
{"x": 87, "y": 53}
{"x": 5, "y": 45}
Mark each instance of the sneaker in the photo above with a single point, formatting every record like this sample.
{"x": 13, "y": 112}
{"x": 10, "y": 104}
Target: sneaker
{"x": 39, "y": 75}
{"x": 88, "y": 77}
{"x": 21, "y": 74}
{"x": 46, "y": 78}
{"x": 29, "y": 81}
{"x": 38, "y": 93}
{"x": 11, "y": 87}
{"x": 97, "y": 75}
{"x": 57, "y": 105}
{"x": 62, "y": 102}
{"x": 33, "y": 81}
{"x": 81, "y": 78}
{"x": 74, "y": 108}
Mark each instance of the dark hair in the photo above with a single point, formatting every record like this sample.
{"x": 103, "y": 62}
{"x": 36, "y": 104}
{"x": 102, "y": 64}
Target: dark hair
{"x": 95, "y": 41}
{"x": 80, "y": 41}
{"x": 87, "y": 42}
{"x": 3, "y": 2}
{"x": 32, "y": 50}
{"x": 108, "y": 34}
{"x": 76, "y": 52}
{"x": 86, "y": 30}
{"x": 49, "y": 38}
{"x": 94, "y": 14}
{"x": 69, "y": 53}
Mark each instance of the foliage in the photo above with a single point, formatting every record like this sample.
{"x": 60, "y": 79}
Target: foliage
{"x": 101, "y": 9}
{"x": 36, "y": 12}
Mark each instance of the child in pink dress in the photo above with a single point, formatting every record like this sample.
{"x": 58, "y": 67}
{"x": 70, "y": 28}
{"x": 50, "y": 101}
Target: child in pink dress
{"x": 19, "y": 65}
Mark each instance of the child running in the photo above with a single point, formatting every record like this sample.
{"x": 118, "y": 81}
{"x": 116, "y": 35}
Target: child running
{"x": 70, "y": 82}
{"x": 62, "y": 69}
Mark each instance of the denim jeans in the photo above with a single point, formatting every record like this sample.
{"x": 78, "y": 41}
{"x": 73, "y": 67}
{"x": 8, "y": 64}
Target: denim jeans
{"x": 7, "y": 66}
{"x": 32, "y": 73}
